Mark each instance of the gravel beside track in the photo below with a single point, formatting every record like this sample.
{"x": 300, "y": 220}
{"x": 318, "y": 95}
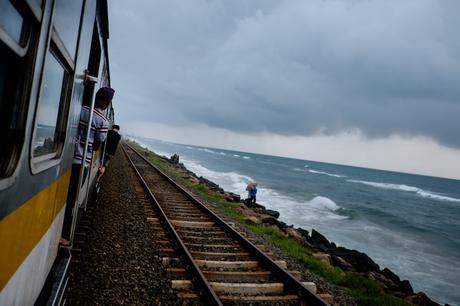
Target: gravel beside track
{"x": 119, "y": 261}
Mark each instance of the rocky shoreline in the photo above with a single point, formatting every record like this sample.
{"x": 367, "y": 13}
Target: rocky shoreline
{"x": 346, "y": 259}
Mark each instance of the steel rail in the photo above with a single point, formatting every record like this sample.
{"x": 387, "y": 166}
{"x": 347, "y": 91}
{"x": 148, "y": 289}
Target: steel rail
{"x": 292, "y": 284}
{"x": 206, "y": 291}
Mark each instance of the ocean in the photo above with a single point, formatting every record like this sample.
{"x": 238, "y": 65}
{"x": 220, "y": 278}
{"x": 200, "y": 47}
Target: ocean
{"x": 408, "y": 223}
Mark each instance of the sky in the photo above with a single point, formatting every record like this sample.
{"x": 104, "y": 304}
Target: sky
{"x": 373, "y": 83}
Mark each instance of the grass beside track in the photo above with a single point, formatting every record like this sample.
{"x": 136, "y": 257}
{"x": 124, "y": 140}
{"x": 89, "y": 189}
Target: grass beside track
{"x": 363, "y": 290}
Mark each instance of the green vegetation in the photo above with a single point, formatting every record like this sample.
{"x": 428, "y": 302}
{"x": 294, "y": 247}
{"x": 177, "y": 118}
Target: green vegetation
{"x": 363, "y": 290}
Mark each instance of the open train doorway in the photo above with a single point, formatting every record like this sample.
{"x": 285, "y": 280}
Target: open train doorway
{"x": 80, "y": 175}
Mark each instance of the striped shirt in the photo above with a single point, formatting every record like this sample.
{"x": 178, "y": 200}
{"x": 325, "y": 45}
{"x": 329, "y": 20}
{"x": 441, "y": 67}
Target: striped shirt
{"x": 98, "y": 132}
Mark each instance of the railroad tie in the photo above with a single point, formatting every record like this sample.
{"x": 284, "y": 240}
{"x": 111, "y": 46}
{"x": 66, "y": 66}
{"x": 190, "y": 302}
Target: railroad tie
{"x": 195, "y": 224}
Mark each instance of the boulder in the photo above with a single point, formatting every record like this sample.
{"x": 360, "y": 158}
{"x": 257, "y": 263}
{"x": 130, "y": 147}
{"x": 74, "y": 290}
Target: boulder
{"x": 420, "y": 299}
{"x": 326, "y": 258}
{"x": 235, "y": 197}
{"x": 253, "y": 219}
{"x": 360, "y": 261}
{"x": 293, "y": 233}
{"x": 283, "y": 225}
{"x": 387, "y": 284}
{"x": 342, "y": 263}
{"x": 304, "y": 233}
{"x": 275, "y": 214}
{"x": 319, "y": 241}
{"x": 181, "y": 166}
{"x": 207, "y": 182}
{"x": 405, "y": 287}
{"x": 228, "y": 197}
{"x": 389, "y": 274}
{"x": 272, "y": 221}
{"x": 174, "y": 159}
{"x": 248, "y": 203}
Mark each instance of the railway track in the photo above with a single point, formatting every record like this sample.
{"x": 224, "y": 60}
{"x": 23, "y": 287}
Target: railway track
{"x": 206, "y": 258}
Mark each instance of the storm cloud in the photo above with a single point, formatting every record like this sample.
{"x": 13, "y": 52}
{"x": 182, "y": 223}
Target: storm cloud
{"x": 294, "y": 67}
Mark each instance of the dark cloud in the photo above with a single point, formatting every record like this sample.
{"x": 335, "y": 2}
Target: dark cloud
{"x": 291, "y": 67}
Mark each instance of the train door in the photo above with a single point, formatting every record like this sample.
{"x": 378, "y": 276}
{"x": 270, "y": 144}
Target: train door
{"x": 94, "y": 69}
{"x": 84, "y": 90}
{"x": 94, "y": 64}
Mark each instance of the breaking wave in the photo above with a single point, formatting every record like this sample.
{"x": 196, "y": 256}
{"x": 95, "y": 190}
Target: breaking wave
{"x": 325, "y": 173}
{"x": 291, "y": 209}
{"x": 402, "y": 187}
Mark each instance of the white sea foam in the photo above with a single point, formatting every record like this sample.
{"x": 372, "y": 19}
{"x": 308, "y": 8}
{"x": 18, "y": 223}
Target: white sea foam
{"x": 298, "y": 169}
{"x": 191, "y": 148}
{"x": 325, "y": 173}
{"x": 207, "y": 150}
{"x": 402, "y": 187}
{"x": 230, "y": 181}
{"x": 246, "y": 157}
{"x": 151, "y": 148}
{"x": 222, "y": 153}
{"x": 306, "y": 166}
{"x": 292, "y": 211}
{"x": 323, "y": 203}
{"x": 236, "y": 155}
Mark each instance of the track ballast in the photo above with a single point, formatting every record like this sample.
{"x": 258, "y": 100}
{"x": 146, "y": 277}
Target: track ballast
{"x": 208, "y": 260}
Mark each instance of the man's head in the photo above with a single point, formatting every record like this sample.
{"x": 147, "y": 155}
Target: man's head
{"x": 103, "y": 97}
{"x": 115, "y": 127}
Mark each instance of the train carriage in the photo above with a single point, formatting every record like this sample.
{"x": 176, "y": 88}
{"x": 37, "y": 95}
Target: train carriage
{"x": 53, "y": 57}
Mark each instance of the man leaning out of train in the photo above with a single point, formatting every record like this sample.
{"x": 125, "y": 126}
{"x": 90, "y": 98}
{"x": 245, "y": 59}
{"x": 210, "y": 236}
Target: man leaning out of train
{"x": 97, "y": 135}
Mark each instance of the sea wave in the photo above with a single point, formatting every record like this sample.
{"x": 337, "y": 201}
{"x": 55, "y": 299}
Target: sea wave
{"x": 246, "y": 157}
{"x": 291, "y": 209}
{"x": 325, "y": 173}
{"x": 151, "y": 148}
{"x": 402, "y": 187}
{"x": 207, "y": 150}
{"x": 323, "y": 203}
{"x": 231, "y": 181}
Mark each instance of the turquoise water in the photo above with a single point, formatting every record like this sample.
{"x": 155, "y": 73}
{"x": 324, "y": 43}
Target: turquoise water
{"x": 408, "y": 223}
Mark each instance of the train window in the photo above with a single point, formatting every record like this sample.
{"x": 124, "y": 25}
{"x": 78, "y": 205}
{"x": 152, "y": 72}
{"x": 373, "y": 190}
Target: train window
{"x": 17, "y": 46}
{"x": 12, "y": 25}
{"x": 67, "y": 21}
{"x": 51, "y": 106}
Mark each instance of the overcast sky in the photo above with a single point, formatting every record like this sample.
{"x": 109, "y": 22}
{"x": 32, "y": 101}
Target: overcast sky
{"x": 374, "y": 83}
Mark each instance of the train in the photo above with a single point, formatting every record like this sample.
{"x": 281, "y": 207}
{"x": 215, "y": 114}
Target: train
{"x": 53, "y": 57}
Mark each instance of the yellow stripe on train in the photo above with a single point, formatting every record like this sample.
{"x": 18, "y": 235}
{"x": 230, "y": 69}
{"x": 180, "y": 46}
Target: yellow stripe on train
{"x": 21, "y": 230}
